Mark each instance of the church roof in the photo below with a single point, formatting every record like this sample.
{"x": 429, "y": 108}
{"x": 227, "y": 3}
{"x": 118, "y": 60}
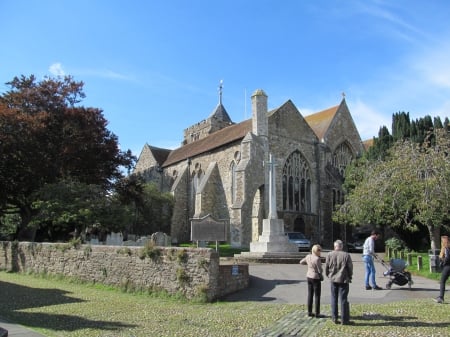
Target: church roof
{"x": 222, "y": 137}
{"x": 368, "y": 143}
{"x": 220, "y": 113}
{"x": 159, "y": 154}
{"x": 320, "y": 121}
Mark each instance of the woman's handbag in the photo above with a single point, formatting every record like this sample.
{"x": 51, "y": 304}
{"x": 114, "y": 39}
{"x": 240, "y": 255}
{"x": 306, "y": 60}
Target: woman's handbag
{"x": 321, "y": 277}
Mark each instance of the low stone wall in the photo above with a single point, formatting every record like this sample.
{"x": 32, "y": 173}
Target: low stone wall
{"x": 232, "y": 278}
{"x": 195, "y": 272}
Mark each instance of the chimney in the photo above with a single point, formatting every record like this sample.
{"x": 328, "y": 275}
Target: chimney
{"x": 259, "y": 113}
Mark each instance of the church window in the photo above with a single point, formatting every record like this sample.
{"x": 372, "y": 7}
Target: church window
{"x": 296, "y": 184}
{"x": 233, "y": 181}
{"x": 338, "y": 198}
{"x": 342, "y": 157}
{"x": 196, "y": 180}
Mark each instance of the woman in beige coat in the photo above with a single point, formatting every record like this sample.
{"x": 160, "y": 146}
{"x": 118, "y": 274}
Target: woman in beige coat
{"x": 314, "y": 278}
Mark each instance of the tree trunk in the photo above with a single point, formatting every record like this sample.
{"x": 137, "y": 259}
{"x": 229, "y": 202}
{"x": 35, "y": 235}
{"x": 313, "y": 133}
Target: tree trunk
{"x": 25, "y": 232}
{"x": 434, "y": 236}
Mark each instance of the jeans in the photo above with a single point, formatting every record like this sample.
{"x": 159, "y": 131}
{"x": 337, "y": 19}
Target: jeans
{"x": 444, "y": 276}
{"x": 340, "y": 291}
{"x": 314, "y": 290}
{"x": 370, "y": 270}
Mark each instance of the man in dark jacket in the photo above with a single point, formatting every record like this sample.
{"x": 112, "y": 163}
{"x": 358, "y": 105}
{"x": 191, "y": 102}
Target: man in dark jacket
{"x": 339, "y": 269}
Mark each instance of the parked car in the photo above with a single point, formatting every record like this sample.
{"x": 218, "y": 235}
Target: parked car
{"x": 355, "y": 247}
{"x": 357, "y": 242}
{"x": 300, "y": 240}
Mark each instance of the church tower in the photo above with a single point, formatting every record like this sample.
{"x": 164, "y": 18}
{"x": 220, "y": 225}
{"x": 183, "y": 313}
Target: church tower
{"x": 216, "y": 121}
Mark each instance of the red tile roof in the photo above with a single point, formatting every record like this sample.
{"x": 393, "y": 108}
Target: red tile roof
{"x": 222, "y": 137}
{"x": 321, "y": 121}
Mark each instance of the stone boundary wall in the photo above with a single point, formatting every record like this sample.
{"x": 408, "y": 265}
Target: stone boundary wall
{"x": 194, "y": 272}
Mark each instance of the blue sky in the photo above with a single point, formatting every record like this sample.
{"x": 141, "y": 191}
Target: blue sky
{"x": 154, "y": 67}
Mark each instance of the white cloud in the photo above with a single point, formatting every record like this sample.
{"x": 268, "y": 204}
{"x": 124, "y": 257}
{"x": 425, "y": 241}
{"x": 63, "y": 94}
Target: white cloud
{"x": 56, "y": 69}
{"x": 391, "y": 23}
{"x": 367, "y": 119}
{"x": 434, "y": 66}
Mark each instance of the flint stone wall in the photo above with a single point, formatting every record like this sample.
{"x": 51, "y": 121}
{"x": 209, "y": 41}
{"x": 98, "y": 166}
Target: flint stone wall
{"x": 191, "y": 271}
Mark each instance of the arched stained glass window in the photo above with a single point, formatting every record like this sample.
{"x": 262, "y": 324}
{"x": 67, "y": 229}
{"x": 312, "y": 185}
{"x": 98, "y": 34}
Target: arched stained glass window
{"x": 296, "y": 184}
{"x": 342, "y": 157}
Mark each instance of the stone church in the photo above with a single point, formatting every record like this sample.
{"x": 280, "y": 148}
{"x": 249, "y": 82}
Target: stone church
{"x": 221, "y": 170}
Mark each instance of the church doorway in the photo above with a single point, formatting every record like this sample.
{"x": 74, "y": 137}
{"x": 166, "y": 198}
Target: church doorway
{"x": 299, "y": 225}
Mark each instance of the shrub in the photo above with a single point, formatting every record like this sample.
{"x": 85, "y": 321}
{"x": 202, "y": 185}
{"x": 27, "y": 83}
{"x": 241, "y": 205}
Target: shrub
{"x": 395, "y": 243}
{"x": 151, "y": 251}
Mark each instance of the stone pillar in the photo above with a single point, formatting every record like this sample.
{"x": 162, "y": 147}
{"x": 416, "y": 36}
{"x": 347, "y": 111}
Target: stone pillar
{"x": 259, "y": 113}
{"x": 272, "y": 189}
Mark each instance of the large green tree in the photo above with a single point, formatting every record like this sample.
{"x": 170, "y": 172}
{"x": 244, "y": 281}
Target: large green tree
{"x": 152, "y": 209}
{"x": 46, "y": 136}
{"x": 68, "y": 208}
{"x": 411, "y": 187}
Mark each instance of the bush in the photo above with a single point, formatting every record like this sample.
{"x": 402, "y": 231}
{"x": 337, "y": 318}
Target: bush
{"x": 395, "y": 244}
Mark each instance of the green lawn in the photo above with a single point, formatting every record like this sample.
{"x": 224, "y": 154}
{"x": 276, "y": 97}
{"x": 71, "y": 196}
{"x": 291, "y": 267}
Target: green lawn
{"x": 225, "y": 250}
{"x": 58, "y": 307}
{"x": 425, "y": 270}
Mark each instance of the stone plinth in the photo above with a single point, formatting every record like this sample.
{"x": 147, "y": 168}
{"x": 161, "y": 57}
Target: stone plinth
{"x": 273, "y": 239}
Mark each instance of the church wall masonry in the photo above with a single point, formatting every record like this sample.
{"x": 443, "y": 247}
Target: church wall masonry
{"x": 193, "y": 272}
{"x": 204, "y": 184}
{"x": 214, "y": 192}
{"x": 289, "y": 132}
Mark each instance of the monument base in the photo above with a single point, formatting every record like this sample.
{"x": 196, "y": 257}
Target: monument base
{"x": 273, "y": 257}
{"x": 273, "y": 239}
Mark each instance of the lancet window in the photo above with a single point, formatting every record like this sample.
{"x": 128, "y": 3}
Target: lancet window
{"x": 296, "y": 183}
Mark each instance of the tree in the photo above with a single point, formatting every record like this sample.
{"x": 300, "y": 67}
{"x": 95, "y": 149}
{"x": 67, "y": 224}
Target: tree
{"x": 69, "y": 208}
{"x": 45, "y": 136}
{"x": 152, "y": 209}
{"x": 380, "y": 145}
{"x": 411, "y": 187}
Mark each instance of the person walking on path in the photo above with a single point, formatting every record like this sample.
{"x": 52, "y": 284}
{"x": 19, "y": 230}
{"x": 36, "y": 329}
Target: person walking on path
{"x": 339, "y": 269}
{"x": 445, "y": 263}
{"x": 314, "y": 278}
{"x": 368, "y": 255}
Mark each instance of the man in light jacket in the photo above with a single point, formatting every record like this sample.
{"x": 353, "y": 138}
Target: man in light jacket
{"x": 339, "y": 269}
{"x": 368, "y": 254}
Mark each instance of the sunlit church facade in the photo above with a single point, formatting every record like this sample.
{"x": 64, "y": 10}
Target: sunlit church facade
{"x": 220, "y": 170}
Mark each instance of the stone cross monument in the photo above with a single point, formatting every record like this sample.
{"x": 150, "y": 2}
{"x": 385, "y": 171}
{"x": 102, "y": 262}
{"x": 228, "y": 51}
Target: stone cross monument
{"x": 272, "y": 239}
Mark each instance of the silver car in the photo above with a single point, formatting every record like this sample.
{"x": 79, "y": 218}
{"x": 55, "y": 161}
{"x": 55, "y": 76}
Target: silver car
{"x": 300, "y": 240}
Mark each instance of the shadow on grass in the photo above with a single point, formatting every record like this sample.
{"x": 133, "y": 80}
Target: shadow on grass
{"x": 15, "y": 298}
{"x": 257, "y": 289}
{"x": 378, "y": 320}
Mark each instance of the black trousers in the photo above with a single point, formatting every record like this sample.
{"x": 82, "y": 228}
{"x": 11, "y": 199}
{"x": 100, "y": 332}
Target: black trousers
{"x": 314, "y": 291}
{"x": 339, "y": 292}
{"x": 444, "y": 276}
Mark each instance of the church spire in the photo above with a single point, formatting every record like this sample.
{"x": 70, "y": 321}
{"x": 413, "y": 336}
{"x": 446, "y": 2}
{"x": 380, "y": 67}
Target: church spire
{"x": 220, "y": 91}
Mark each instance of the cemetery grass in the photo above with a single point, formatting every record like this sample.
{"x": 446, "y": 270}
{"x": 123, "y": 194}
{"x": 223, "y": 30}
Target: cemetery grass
{"x": 64, "y": 307}
{"x": 225, "y": 249}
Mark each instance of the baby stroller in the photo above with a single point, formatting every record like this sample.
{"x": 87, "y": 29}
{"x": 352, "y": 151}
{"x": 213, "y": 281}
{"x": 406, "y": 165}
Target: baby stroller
{"x": 396, "y": 270}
